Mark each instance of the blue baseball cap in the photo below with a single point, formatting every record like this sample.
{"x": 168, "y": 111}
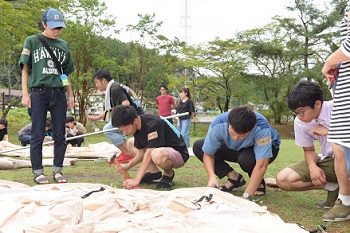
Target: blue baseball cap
{"x": 53, "y": 18}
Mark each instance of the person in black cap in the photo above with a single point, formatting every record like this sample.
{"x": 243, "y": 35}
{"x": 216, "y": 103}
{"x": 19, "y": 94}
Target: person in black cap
{"x": 46, "y": 87}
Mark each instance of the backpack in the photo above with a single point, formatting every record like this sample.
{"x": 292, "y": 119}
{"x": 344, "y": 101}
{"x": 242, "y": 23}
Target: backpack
{"x": 133, "y": 99}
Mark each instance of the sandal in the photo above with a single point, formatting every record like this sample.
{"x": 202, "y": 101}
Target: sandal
{"x": 60, "y": 178}
{"x": 261, "y": 191}
{"x": 166, "y": 182}
{"x": 236, "y": 184}
{"x": 41, "y": 179}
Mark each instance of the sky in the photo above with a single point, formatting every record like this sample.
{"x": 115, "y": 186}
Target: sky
{"x": 206, "y": 19}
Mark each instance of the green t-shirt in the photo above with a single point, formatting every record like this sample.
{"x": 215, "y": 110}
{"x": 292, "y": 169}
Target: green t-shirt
{"x": 42, "y": 69}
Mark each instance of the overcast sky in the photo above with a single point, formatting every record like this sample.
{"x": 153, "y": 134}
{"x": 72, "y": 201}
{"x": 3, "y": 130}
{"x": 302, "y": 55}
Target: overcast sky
{"x": 206, "y": 19}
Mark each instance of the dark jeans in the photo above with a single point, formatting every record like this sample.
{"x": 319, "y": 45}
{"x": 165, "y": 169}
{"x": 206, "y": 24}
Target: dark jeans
{"x": 77, "y": 141}
{"x": 42, "y": 101}
{"x": 25, "y": 139}
{"x": 245, "y": 158}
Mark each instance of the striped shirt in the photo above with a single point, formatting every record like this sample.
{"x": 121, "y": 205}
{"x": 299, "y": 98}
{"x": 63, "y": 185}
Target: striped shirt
{"x": 339, "y": 131}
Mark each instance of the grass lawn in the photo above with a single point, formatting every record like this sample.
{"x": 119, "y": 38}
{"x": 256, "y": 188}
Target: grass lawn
{"x": 290, "y": 206}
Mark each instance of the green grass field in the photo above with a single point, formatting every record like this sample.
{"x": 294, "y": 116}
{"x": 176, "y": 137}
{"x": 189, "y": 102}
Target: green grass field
{"x": 290, "y": 206}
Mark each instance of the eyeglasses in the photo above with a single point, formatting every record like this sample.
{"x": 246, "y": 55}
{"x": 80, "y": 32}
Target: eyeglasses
{"x": 300, "y": 112}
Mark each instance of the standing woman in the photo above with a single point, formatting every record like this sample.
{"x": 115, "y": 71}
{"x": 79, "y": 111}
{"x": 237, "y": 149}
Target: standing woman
{"x": 185, "y": 105}
{"x": 46, "y": 87}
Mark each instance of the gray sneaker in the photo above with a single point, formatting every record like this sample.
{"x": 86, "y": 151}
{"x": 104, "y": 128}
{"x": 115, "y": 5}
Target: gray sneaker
{"x": 332, "y": 196}
{"x": 338, "y": 213}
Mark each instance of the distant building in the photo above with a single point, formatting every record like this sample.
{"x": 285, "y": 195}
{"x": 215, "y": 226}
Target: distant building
{"x": 5, "y": 94}
{"x": 97, "y": 100}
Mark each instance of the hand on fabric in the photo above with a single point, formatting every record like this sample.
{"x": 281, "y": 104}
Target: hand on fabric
{"x": 130, "y": 183}
{"x": 213, "y": 182}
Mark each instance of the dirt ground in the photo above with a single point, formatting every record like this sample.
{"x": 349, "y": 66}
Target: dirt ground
{"x": 286, "y": 131}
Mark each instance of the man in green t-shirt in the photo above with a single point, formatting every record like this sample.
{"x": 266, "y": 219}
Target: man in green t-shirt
{"x": 46, "y": 87}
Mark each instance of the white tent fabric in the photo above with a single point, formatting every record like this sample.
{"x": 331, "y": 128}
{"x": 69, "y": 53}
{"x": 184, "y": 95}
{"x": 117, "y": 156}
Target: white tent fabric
{"x": 98, "y": 150}
{"x": 59, "y": 208}
{"x": 11, "y": 163}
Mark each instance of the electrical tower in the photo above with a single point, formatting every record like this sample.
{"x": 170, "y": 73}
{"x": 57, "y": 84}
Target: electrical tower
{"x": 185, "y": 21}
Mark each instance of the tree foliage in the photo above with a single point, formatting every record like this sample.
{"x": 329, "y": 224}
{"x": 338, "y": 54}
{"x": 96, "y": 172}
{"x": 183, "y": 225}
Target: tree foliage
{"x": 151, "y": 62}
{"x": 86, "y": 22}
{"x": 256, "y": 66}
{"x": 218, "y": 67}
{"x": 16, "y": 22}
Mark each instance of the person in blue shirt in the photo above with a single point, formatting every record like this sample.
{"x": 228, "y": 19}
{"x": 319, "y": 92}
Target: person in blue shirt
{"x": 240, "y": 136}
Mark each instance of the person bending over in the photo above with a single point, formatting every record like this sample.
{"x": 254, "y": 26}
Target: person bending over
{"x": 156, "y": 143}
{"x": 114, "y": 96}
{"x": 240, "y": 136}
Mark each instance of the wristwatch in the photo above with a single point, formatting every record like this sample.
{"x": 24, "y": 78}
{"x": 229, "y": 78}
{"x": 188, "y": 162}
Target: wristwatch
{"x": 246, "y": 195}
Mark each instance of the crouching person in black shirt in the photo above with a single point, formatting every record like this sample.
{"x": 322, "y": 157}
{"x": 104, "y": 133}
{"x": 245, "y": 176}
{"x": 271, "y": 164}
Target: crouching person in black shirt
{"x": 156, "y": 143}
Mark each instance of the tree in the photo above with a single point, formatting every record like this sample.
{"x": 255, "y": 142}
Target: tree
{"x": 287, "y": 50}
{"x": 272, "y": 65}
{"x": 314, "y": 30}
{"x": 151, "y": 61}
{"x": 13, "y": 32}
{"x": 218, "y": 66}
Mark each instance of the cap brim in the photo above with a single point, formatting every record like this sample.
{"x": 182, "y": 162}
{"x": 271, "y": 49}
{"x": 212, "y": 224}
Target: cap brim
{"x": 56, "y": 24}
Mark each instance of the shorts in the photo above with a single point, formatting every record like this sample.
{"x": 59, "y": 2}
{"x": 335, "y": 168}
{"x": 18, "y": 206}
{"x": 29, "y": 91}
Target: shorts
{"x": 175, "y": 157}
{"x": 327, "y": 165}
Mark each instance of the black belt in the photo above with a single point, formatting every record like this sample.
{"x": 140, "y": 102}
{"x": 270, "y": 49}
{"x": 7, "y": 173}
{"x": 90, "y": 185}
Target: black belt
{"x": 48, "y": 88}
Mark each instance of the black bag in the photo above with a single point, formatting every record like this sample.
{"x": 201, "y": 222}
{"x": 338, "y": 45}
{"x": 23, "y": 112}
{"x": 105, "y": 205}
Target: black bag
{"x": 133, "y": 99}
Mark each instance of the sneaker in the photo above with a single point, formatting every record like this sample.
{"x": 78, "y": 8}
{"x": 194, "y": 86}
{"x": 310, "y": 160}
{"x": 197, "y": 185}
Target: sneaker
{"x": 151, "y": 177}
{"x": 125, "y": 158}
{"x": 166, "y": 182}
{"x": 332, "y": 196}
{"x": 338, "y": 213}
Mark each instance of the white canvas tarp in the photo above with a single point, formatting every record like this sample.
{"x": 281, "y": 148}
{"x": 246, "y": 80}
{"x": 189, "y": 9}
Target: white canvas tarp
{"x": 61, "y": 208}
{"x": 11, "y": 163}
{"x": 102, "y": 151}
{"x": 98, "y": 150}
